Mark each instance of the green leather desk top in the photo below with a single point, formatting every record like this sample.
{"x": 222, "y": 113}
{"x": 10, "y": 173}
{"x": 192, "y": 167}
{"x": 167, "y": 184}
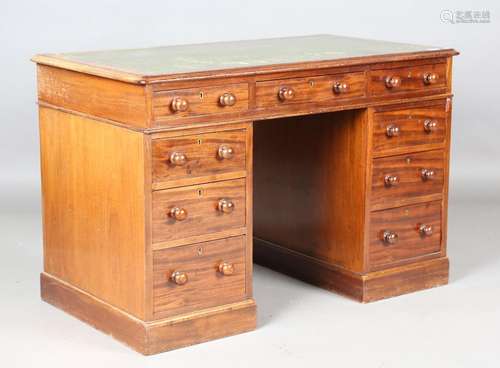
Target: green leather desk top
{"x": 181, "y": 59}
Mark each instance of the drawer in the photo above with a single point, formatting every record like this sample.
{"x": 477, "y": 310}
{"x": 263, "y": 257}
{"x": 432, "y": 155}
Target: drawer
{"x": 198, "y": 276}
{"x": 398, "y": 130}
{"x": 420, "y": 78}
{"x": 283, "y": 92}
{"x": 193, "y": 102}
{"x": 198, "y": 155}
{"x": 404, "y": 233}
{"x": 199, "y": 209}
{"x": 401, "y": 178}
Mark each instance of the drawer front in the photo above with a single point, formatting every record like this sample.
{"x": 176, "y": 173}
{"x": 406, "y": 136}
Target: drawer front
{"x": 404, "y": 233}
{"x": 309, "y": 90}
{"x": 399, "y": 130}
{"x": 198, "y": 155}
{"x": 402, "y": 177}
{"x": 199, "y": 209}
{"x": 198, "y": 276}
{"x": 422, "y": 78}
{"x": 192, "y": 102}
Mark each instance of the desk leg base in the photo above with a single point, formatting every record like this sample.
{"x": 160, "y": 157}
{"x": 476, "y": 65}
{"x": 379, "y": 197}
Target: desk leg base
{"x": 154, "y": 336}
{"x": 365, "y": 288}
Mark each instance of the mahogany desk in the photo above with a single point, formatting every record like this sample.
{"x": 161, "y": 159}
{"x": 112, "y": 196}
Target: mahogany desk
{"x": 162, "y": 166}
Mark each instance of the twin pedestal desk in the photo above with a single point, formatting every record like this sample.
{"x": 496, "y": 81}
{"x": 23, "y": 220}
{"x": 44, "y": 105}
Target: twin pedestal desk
{"x": 167, "y": 171}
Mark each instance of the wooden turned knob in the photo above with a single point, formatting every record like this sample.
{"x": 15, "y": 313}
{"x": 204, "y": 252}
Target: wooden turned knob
{"x": 178, "y": 214}
{"x": 391, "y": 180}
{"x": 430, "y": 78}
{"x": 392, "y": 82}
{"x": 286, "y": 93}
{"x": 227, "y": 99}
{"x": 430, "y": 125}
{"x": 179, "y": 104}
{"x": 225, "y": 205}
{"x": 225, "y": 152}
{"x": 425, "y": 230}
{"x": 226, "y": 268}
{"x": 340, "y": 87}
{"x": 178, "y": 158}
{"x": 178, "y": 277}
{"x": 389, "y": 237}
{"x": 392, "y": 131}
{"x": 428, "y": 174}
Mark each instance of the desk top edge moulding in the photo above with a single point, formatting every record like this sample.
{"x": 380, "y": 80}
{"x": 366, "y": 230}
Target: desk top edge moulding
{"x": 167, "y": 171}
{"x": 233, "y": 58}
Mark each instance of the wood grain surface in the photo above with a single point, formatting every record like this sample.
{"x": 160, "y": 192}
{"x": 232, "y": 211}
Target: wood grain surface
{"x": 405, "y": 222}
{"x": 365, "y": 288}
{"x": 309, "y": 89}
{"x": 411, "y": 79}
{"x": 315, "y": 167}
{"x": 94, "y": 207}
{"x": 114, "y": 100}
{"x": 412, "y": 133}
{"x": 411, "y": 186}
{"x": 202, "y": 159}
{"x": 406, "y": 279}
{"x": 150, "y": 337}
{"x": 310, "y": 178}
{"x": 200, "y": 202}
{"x": 201, "y": 101}
{"x": 206, "y": 286}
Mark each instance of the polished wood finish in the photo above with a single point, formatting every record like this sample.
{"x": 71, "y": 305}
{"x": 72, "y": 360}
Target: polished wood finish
{"x": 148, "y": 179}
{"x": 365, "y": 288}
{"x": 330, "y": 101}
{"x": 204, "y": 155}
{"x": 205, "y": 286}
{"x": 418, "y": 128}
{"x": 350, "y": 216}
{"x": 94, "y": 210}
{"x": 406, "y": 279}
{"x": 202, "y": 101}
{"x": 155, "y": 336}
{"x": 406, "y": 79}
{"x": 413, "y": 180}
{"x": 105, "y": 98}
{"x": 201, "y": 205}
{"x": 301, "y": 90}
{"x": 418, "y": 231}
{"x": 313, "y": 202}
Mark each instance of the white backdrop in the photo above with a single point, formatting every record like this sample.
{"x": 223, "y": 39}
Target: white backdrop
{"x": 299, "y": 325}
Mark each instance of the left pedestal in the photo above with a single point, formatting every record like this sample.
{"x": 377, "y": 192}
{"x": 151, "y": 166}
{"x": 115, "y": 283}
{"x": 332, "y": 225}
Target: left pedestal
{"x": 116, "y": 257}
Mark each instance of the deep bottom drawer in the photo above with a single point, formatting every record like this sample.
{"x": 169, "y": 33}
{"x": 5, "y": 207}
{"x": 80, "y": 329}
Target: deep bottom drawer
{"x": 198, "y": 276}
{"x": 401, "y": 234}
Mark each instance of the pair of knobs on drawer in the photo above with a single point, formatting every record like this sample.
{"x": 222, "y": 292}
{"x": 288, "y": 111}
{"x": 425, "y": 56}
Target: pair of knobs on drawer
{"x": 391, "y": 237}
{"x": 393, "y": 180}
{"x": 181, "y": 278}
{"x": 393, "y": 81}
{"x": 180, "y": 104}
{"x": 223, "y": 153}
{"x": 393, "y": 130}
{"x": 288, "y": 93}
{"x": 180, "y": 214}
